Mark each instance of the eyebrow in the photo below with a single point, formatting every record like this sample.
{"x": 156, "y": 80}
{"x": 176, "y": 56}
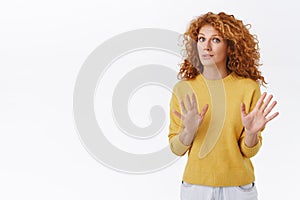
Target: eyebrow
{"x": 211, "y": 35}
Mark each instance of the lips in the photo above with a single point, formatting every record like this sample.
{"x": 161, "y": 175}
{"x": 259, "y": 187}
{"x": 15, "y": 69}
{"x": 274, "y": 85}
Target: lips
{"x": 206, "y": 56}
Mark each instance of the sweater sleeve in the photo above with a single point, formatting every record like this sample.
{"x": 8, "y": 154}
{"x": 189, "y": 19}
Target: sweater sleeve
{"x": 176, "y": 127}
{"x": 249, "y": 152}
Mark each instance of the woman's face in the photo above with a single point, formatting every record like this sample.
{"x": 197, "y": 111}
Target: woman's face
{"x": 212, "y": 47}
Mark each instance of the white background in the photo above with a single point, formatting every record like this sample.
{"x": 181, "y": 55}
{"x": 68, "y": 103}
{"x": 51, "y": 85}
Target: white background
{"x": 42, "y": 47}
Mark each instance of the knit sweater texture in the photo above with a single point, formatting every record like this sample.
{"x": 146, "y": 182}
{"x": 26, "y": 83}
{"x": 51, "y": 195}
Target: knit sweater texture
{"x": 218, "y": 155}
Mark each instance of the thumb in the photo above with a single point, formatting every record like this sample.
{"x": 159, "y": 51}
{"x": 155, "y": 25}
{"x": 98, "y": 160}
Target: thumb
{"x": 243, "y": 110}
{"x": 203, "y": 111}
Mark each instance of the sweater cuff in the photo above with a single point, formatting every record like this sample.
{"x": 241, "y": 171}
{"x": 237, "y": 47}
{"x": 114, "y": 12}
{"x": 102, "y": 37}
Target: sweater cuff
{"x": 250, "y": 151}
{"x": 178, "y": 147}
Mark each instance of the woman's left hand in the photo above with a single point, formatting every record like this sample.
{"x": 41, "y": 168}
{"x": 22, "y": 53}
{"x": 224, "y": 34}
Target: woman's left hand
{"x": 258, "y": 117}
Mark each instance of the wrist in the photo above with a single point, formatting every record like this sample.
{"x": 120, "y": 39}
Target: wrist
{"x": 250, "y": 133}
{"x": 251, "y": 139}
{"x": 186, "y": 137}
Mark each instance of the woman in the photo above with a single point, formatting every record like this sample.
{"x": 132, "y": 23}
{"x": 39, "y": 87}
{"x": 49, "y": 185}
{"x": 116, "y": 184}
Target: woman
{"x": 217, "y": 110}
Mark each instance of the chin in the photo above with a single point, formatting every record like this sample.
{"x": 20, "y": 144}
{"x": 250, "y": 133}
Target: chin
{"x": 208, "y": 64}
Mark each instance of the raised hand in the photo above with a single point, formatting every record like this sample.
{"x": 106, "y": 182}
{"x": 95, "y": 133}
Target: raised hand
{"x": 258, "y": 117}
{"x": 190, "y": 116}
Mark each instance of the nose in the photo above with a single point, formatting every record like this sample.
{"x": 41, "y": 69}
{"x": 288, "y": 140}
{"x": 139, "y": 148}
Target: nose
{"x": 206, "y": 46}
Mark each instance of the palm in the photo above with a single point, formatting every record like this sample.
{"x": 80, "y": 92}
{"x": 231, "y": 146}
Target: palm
{"x": 254, "y": 121}
{"x": 190, "y": 116}
{"x": 258, "y": 117}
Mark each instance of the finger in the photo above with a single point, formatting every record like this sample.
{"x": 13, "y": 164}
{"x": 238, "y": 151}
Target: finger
{"x": 272, "y": 116}
{"x": 263, "y": 107}
{"x": 243, "y": 109}
{"x": 270, "y": 108}
{"x": 183, "y": 107}
{"x": 188, "y": 101}
{"x": 260, "y": 100}
{"x": 194, "y": 102}
{"x": 203, "y": 111}
{"x": 177, "y": 114}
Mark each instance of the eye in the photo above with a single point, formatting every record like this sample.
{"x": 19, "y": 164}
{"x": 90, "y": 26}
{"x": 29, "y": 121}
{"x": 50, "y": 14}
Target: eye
{"x": 201, "y": 39}
{"x": 216, "y": 40}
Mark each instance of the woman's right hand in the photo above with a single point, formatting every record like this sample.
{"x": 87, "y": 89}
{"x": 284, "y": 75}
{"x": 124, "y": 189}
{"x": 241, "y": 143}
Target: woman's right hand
{"x": 191, "y": 118}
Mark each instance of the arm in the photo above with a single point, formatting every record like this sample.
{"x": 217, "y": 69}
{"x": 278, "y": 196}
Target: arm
{"x": 175, "y": 129}
{"x": 254, "y": 122}
{"x": 184, "y": 124}
{"x": 250, "y": 151}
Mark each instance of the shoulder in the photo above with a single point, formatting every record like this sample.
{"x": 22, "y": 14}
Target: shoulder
{"x": 247, "y": 83}
{"x": 188, "y": 82}
{"x": 187, "y": 85}
{"x": 250, "y": 89}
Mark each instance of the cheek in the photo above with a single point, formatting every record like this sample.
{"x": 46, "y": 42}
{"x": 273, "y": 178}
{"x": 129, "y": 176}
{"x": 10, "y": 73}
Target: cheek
{"x": 222, "y": 51}
{"x": 199, "y": 48}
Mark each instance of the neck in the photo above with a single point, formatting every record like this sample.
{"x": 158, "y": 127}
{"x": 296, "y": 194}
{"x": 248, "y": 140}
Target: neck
{"x": 214, "y": 72}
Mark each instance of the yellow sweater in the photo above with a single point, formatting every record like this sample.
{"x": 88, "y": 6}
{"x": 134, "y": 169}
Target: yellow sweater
{"x": 218, "y": 155}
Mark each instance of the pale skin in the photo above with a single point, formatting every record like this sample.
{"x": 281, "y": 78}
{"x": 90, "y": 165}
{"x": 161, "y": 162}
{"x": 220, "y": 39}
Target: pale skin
{"x": 213, "y": 54}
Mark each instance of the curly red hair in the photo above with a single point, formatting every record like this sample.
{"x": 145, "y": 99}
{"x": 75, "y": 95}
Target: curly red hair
{"x": 243, "y": 53}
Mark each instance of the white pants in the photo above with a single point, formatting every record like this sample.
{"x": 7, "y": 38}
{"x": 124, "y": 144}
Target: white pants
{"x": 199, "y": 192}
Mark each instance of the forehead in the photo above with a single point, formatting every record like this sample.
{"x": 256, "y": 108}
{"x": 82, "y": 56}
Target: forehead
{"x": 208, "y": 30}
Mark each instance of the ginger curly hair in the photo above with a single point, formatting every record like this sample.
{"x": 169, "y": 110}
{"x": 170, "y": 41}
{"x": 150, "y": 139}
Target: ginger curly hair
{"x": 243, "y": 53}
